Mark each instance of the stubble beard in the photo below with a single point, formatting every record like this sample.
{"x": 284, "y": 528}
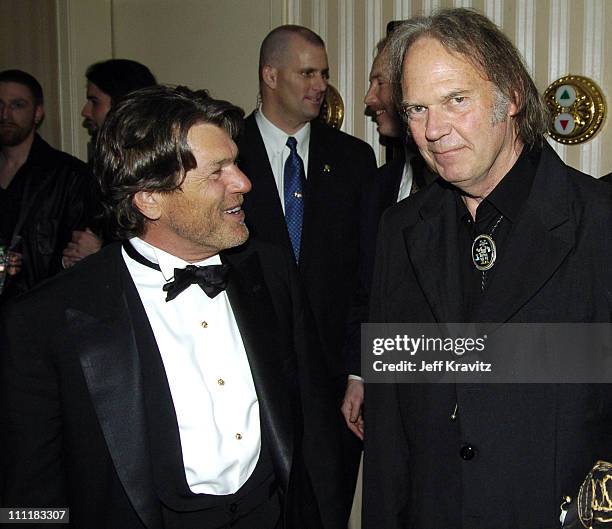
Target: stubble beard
{"x": 13, "y": 136}
{"x": 217, "y": 237}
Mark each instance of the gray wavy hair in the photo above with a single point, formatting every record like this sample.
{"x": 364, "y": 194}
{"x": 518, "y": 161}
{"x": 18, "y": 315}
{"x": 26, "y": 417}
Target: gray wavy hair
{"x": 477, "y": 39}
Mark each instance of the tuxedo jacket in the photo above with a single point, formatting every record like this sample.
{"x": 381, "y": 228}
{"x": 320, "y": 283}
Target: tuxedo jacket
{"x": 72, "y": 381}
{"x": 531, "y": 444}
{"x": 340, "y": 173}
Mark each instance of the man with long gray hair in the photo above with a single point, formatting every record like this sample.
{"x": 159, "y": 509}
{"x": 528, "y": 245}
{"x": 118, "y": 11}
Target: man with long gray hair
{"x": 508, "y": 233}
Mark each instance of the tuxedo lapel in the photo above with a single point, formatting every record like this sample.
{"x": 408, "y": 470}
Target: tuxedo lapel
{"x": 541, "y": 240}
{"x": 433, "y": 250}
{"x": 111, "y": 366}
{"x": 254, "y": 313}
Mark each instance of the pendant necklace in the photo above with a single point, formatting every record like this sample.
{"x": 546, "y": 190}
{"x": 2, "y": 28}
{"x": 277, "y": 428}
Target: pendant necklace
{"x": 484, "y": 252}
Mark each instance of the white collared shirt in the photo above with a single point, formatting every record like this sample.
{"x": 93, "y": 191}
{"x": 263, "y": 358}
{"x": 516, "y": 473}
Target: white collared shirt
{"x": 208, "y": 373}
{"x": 275, "y": 141}
{"x": 406, "y": 182}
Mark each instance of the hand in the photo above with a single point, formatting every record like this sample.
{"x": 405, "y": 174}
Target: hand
{"x": 14, "y": 263}
{"x": 83, "y": 243}
{"x": 352, "y": 407}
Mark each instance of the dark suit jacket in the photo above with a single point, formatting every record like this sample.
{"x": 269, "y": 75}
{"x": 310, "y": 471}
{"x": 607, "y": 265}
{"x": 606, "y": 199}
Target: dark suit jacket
{"x": 384, "y": 195}
{"x": 76, "y": 430}
{"x": 340, "y": 171}
{"x": 534, "y": 443}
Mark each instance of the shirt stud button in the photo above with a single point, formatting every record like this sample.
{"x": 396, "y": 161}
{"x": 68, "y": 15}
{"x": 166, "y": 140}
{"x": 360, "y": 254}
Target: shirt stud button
{"x": 204, "y": 324}
{"x": 238, "y": 436}
{"x": 221, "y": 382}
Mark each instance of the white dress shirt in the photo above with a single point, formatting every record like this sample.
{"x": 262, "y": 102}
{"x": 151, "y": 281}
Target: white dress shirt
{"x": 406, "y": 182}
{"x": 275, "y": 141}
{"x": 208, "y": 373}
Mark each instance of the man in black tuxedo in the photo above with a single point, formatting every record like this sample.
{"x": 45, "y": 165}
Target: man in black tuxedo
{"x": 310, "y": 190}
{"x": 159, "y": 384}
{"x": 478, "y": 455}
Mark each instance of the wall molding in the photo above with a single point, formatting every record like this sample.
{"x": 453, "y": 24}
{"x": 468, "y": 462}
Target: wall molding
{"x": 346, "y": 51}
{"x": 558, "y": 52}
{"x": 525, "y": 32}
{"x": 319, "y": 18}
{"x": 292, "y": 12}
{"x": 401, "y": 10}
{"x": 494, "y": 9}
{"x": 67, "y": 79}
{"x": 374, "y": 32}
{"x": 594, "y": 33}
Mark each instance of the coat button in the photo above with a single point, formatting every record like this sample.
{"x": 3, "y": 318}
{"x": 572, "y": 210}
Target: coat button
{"x": 467, "y": 452}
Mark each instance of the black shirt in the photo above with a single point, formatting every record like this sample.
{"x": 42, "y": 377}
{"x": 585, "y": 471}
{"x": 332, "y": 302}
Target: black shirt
{"x": 498, "y": 212}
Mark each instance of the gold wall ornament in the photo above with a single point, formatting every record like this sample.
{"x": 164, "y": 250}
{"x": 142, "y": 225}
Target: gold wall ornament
{"x": 332, "y": 109}
{"x": 577, "y": 108}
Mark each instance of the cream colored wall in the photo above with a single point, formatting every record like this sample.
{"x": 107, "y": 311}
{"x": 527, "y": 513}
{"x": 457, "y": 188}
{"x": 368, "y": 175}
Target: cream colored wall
{"x": 33, "y": 51}
{"x": 200, "y": 43}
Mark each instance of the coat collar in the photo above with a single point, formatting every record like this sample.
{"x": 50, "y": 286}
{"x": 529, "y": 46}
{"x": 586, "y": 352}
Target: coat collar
{"x": 541, "y": 239}
{"x": 110, "y": 362}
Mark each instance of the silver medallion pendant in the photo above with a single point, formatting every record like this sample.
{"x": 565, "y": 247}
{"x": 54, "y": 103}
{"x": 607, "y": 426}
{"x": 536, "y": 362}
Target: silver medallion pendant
{"x": 484, "y": 252}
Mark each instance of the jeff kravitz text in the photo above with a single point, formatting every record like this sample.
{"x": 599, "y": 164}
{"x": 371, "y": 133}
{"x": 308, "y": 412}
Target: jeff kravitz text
{"x": 432, "y": 347}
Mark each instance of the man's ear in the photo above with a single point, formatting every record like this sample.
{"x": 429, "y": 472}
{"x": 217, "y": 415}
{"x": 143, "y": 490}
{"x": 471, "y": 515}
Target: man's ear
{"x": 269, "y": 75}
{"x": 513, "y": 107}
{"x": 39, "y": 114}
{"x": 149, "y": 204}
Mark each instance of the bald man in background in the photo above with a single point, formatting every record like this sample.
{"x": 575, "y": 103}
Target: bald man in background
{"x": 310, "y": 189}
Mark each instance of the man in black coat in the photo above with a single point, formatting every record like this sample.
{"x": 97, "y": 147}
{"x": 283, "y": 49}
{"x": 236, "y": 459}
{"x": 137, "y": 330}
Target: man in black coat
{"x": 164, "y": 385}
{"x": 334, "y": 175}
{"x": 44, "y": 193}
{"x": 478, "y": 455}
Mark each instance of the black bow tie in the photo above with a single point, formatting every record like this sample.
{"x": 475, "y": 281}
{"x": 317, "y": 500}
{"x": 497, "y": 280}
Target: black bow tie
{"x": 212, "y": 279}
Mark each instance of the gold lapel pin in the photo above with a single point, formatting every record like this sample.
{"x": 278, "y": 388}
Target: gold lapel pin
{"x": 327, "y": 168}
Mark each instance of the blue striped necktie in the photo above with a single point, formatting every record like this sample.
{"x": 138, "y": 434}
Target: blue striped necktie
{"x": 294, "y": 196}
